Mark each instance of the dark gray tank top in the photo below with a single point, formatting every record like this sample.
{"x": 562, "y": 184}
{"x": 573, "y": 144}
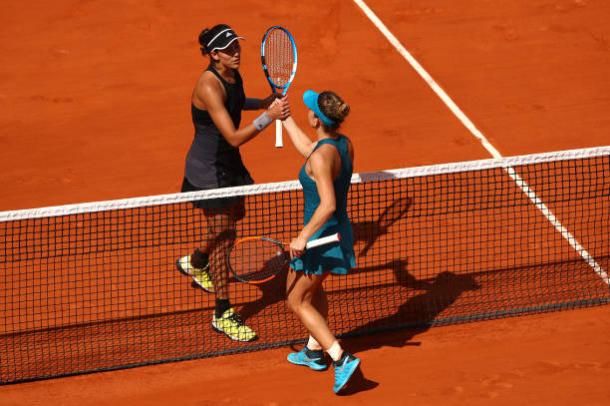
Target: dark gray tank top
{"x": 211, "y": 161}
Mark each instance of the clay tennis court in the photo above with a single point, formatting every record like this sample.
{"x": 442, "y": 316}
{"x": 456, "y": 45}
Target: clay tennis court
{"x": 94, "y": 106}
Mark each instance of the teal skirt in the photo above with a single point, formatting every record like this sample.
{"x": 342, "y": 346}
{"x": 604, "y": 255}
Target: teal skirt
{"x": 337, "y": 258}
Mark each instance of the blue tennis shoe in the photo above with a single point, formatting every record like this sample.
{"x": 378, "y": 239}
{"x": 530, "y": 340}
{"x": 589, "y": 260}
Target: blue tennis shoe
{"x": 309, "y": 358}
{"x": 344, "y": 369}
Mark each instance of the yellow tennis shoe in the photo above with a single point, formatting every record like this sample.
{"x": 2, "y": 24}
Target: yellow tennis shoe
{"x": 201, "y": 276}
{"x": 231, "y": 324}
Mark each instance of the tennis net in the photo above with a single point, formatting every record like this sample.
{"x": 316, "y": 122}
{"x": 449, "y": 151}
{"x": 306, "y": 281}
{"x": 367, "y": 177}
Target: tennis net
{"x": 94, "y": 286}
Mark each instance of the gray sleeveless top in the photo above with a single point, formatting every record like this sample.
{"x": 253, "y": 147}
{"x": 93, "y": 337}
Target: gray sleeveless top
{"x": 211, "y": 161}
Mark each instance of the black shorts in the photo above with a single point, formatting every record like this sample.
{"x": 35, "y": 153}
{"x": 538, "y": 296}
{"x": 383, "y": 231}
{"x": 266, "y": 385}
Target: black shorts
{"x": 224, "y": 205}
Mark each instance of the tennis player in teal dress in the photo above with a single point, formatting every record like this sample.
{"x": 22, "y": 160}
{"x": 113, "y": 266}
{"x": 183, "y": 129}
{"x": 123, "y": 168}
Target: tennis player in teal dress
{"x": 326, "y": 178}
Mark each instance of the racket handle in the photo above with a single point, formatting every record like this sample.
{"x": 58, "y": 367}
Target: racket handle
{"x": 323, "y": 241}
{"x": 279, "y": 143}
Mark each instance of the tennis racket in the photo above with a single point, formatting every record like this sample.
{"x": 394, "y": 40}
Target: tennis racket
{"x": 279, "y": 59}
{"x": 259, "y": 259}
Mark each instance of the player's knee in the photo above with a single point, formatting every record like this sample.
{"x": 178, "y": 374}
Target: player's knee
{"x": 225, "y": 236}
{"x": 295, "y": 304}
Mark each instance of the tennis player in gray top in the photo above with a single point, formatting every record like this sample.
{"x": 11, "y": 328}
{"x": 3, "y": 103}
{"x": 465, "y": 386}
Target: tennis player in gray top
{"x": 214, "y": 161}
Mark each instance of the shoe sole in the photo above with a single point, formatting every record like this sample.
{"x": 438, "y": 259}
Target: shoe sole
{"x": 216, "y": 329}
{"x": 317, "y": 368}
{"x": 194, "y": 283}
{"x": 354, "y": 369}
{"x": 182, "y": 271}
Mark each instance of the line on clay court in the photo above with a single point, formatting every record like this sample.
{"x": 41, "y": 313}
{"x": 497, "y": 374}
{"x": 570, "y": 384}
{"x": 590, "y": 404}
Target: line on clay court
{"x": 529, "y": 192}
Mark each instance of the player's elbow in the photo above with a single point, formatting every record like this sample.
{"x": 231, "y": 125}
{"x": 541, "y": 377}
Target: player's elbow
{"x": 233, "y": 141}
{"x": 328, "y": 209}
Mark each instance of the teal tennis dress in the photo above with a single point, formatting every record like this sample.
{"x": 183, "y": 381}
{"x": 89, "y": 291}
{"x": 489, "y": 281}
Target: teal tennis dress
{"x": 337, "y": 258}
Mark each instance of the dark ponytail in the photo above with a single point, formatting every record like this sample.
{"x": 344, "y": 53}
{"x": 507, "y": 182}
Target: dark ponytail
{"x": 204, "y": 38}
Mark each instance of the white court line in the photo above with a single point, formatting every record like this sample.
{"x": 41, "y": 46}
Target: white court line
{"x": 481, "y": 137}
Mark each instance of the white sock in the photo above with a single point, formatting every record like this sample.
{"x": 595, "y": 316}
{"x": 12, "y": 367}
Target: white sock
{"x": 335, "y": 351}
{"x": 313, "y": 345}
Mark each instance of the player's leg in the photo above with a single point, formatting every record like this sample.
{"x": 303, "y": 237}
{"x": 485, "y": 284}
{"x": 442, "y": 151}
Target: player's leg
{"x": 306, "y": 302}
{"x": 223, "y": 223}
{"x": 197, "y": 263}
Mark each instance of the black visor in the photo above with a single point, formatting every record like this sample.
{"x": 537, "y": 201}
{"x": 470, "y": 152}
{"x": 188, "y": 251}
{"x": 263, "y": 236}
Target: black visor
{"x": 220, "y": 37}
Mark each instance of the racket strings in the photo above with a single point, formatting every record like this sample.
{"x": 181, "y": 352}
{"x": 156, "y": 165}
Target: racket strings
{"x": 279, "y": 57}
{"x": 257, "y": 259}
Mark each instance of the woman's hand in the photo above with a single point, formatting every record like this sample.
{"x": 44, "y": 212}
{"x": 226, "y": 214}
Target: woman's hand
{"x": 266, "y": 102}
{"x": 279, "y": 109}
{"x": 297, "y": 247}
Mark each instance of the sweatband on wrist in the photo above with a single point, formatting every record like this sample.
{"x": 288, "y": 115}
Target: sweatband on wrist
{"x": 261, "y": 122}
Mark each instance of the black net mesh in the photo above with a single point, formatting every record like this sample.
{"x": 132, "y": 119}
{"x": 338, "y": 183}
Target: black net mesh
{"x": 98, "y": 289}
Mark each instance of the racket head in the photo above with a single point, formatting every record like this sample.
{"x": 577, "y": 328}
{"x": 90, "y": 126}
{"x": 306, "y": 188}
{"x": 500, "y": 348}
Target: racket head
{"x": 279, "y": 58}
{"x": 257, "y": 260}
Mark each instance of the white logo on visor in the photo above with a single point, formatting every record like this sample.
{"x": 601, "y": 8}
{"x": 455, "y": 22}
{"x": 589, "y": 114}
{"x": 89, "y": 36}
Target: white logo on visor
{"x": 228, "y": 34}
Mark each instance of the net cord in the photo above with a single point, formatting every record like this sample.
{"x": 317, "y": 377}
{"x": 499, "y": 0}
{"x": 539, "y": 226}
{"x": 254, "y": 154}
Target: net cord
{"x": 258, "y": 189}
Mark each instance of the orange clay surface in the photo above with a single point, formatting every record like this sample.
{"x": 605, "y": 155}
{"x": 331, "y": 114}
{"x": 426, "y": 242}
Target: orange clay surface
{"x": 94, "y": 105}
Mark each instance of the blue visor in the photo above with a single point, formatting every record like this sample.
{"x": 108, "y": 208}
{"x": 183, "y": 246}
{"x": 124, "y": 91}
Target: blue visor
{"x": 310, "y": 98}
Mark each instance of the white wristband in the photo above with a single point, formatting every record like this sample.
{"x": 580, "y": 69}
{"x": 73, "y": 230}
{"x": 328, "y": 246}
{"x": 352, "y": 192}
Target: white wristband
{"x": 261, "y": 122}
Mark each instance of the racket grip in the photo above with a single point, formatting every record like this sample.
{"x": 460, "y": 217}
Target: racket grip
{"x": 323, "y": 241}
{"x": 279, "y": 143}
